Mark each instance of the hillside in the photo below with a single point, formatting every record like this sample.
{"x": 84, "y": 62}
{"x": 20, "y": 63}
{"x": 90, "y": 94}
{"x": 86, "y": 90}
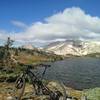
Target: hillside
{"x": 36, "y": 56}
{"x": 10, "y": 62}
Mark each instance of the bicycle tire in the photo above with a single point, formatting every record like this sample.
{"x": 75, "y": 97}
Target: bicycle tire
{"x": 61, "y": 90}
{"x": 18, "y": 93}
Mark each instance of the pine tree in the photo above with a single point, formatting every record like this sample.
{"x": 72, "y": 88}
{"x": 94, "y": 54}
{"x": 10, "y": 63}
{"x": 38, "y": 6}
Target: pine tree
{"x": 7, "y": 52}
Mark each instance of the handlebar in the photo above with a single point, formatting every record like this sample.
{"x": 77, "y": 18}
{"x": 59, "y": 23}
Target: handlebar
{"x": 44, "y": 65}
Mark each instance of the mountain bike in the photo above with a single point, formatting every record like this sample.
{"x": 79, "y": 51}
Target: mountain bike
{"x": 40, "y": 88}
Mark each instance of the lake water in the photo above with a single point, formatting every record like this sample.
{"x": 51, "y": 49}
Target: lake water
{"x": 77, "y": 72}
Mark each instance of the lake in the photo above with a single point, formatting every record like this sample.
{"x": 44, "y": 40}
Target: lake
{"x": 78, "y": 72}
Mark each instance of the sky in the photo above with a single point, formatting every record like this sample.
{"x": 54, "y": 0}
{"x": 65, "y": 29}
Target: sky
{"x": 43, "y": 21}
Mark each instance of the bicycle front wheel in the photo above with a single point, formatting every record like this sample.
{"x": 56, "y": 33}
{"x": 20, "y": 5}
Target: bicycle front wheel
{"x": 19, "y": 88}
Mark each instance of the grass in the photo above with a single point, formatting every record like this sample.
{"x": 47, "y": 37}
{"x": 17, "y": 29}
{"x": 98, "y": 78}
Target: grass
{"x": 92, "y": 94}
{"x": 30, "y": 59}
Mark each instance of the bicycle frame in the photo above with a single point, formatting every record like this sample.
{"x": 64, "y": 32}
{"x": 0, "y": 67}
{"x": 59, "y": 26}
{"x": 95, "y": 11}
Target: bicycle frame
{"x": 38, "y": 85}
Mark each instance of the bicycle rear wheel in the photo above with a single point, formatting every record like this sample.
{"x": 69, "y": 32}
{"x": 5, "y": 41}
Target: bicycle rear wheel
{"x": 57, "y": 88}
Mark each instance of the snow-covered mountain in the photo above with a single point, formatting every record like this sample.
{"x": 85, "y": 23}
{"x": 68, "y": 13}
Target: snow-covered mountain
{"x": 28, "y": 46}
{"x": 74, "y": 47}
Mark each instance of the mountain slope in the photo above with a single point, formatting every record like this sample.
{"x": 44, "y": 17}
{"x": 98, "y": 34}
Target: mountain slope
{"x": 74, "y": 47}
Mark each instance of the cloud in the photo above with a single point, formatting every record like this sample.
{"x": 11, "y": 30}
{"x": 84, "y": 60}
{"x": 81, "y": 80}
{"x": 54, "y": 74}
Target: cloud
{"x": 3, "y": 34}
{"x": 19, "y": 24}
{"x": 71, "y": 23}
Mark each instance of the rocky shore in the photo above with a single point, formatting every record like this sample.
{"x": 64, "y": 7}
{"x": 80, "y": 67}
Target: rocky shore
{"x": 7, "y": 92}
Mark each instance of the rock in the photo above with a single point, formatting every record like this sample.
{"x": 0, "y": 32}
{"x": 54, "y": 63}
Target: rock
{"x": 42, "y": 97}
{"x": 10, "y": 98}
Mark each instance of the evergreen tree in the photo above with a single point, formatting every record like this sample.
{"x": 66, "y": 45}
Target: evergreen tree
{"x": 7, "y": 51}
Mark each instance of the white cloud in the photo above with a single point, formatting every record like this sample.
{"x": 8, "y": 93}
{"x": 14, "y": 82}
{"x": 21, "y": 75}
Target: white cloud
{"x": 19, "y": 24}
{"x": 70, "y": 23}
